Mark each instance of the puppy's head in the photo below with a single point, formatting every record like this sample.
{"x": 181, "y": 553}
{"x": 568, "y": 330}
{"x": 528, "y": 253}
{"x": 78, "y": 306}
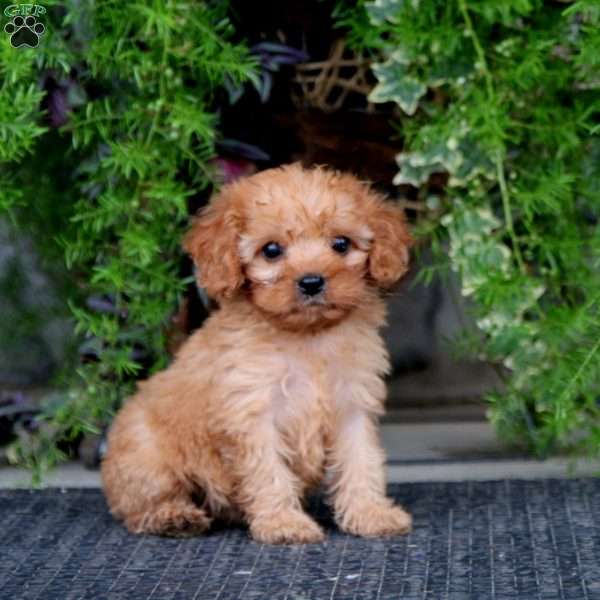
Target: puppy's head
{"x": 307, "y": 247}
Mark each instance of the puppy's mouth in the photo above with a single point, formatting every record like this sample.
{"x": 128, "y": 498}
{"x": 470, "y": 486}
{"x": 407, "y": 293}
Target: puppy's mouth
{"x": 318, "y": 307}
{"x": 318, "y": 300}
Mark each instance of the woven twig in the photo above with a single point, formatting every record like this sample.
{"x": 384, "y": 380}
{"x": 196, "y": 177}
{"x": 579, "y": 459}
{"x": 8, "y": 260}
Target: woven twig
{"x": 323, "y": 85}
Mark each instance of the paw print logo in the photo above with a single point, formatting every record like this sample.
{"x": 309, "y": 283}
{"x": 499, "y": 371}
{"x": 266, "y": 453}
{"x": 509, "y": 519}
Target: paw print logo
{"x": 24, "y": 31}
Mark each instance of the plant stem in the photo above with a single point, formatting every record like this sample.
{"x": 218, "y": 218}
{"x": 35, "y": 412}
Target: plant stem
{"x": 506, "y": 207}
{"x": 489, "y": 84}
{"x": 161, "y": 89}
{"x": 497, "y": 158}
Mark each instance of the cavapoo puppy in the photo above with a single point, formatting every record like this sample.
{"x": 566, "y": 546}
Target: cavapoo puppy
{"x": 281, "y": 389}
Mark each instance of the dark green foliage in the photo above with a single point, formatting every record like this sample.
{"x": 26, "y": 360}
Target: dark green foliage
{"x": 140, "y": 80}
{"x": 505, "y": 98}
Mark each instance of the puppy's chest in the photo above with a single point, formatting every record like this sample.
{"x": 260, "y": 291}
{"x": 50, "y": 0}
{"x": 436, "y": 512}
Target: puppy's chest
{"x": 304, "y": 392}
{"x": 312, "y": 377}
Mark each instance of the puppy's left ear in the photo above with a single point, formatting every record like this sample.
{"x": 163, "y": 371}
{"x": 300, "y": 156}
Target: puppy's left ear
{"x": 389, "y": 254}
{"x": 212, "y": 242}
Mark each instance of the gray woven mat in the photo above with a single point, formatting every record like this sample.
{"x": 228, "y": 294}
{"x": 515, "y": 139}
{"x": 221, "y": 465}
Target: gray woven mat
{"x": 496, "y": 540}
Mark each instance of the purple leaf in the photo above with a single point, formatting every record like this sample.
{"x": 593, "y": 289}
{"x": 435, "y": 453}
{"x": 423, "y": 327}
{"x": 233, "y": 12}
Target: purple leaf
{"x": 58, "y": 107}
{"x": 280, "y": 59}
{"x": 234, "y": 91}
{"x": 232, "y": 169}
{"x": 275, "y": 48}
{"x": 242, "y": 149}
{"x": 103, "y": 304}
{"x": 266, "y": 85}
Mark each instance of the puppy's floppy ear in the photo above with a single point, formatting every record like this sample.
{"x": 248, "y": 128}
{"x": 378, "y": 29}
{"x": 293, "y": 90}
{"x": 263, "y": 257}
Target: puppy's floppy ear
{"x": 212, "y": 242}
{"x": 389, "y": 254}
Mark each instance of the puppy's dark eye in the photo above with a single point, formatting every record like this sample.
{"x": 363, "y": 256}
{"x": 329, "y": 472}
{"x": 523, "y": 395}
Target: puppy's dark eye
{"x": 272, "y": 250}
{"x": 341, "y": 244}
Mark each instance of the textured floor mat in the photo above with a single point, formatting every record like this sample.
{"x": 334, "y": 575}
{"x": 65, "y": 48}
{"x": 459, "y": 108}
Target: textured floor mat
{"x": 492, "y": 540}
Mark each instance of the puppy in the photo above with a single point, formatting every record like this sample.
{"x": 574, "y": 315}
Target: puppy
{"x": 281, "y": 389}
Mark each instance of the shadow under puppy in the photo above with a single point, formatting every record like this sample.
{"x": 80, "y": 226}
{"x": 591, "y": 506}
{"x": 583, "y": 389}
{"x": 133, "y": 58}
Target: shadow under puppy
{"x": 281, "y": 388}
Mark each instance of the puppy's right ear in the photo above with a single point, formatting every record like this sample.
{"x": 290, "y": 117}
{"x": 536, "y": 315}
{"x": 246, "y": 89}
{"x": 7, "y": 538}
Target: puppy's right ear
{"x": 212, "y": 242}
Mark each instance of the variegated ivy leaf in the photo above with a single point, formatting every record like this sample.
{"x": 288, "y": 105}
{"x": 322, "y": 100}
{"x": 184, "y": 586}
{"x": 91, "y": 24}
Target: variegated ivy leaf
{"x": 380, "y": 11}
{"x": 414, "y": 174}
{"x": 477, "y": 255}
{"x": 474, "y": 163}
{"x": 469, "y": 221}
{"x": 416, "y": 167}
{"x": 397, "y": 85}
{"x": 476, "y": 264}
{"x": 462, "y": 159}
{"x": 473, "y": 250}
{"x": 454, "y": 71}
{"x": 513, "y": 308}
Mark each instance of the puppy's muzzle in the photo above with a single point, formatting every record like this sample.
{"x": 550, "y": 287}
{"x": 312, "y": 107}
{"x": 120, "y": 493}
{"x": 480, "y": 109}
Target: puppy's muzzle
{"x": 311, "y": 284}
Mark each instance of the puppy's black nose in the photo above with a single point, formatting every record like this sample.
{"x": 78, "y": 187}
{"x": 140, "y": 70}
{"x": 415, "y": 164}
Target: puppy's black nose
{"x": 311, "y": 284}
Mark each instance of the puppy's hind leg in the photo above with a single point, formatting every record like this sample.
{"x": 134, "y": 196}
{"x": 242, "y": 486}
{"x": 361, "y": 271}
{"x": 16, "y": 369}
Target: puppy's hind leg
{"x": 176, "y": 517}
{"x": 151, "y": 501}
{"x": 141, "y": 486}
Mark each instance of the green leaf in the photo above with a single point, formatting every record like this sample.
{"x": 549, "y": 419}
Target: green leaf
{"x": 397, "y": 85}
{"x": 380, "y": 11}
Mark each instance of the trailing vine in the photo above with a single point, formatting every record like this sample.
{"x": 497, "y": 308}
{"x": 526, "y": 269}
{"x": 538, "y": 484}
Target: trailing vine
{"x": 505, "y": 99}
{"x": 126, "y": 95}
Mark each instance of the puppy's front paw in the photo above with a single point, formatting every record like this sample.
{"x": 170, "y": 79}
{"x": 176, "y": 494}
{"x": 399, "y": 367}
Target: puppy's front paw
{"x": 286, "y": 527}
{"x": 376, "y": 519}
